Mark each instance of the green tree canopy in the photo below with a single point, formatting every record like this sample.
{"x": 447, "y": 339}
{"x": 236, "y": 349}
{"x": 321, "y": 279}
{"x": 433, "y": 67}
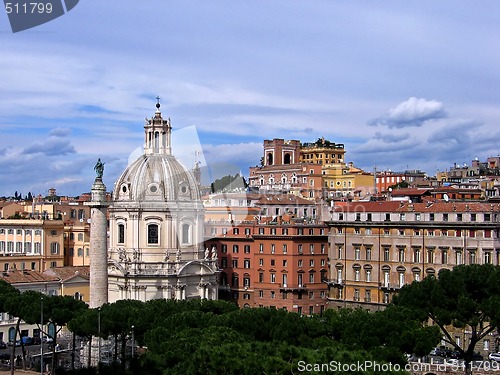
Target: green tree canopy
{"x": 466, "y": 297}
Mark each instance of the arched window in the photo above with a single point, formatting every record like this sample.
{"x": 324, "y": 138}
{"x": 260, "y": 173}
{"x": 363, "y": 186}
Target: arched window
{"x": 121, "y": 233}
{"x": 152, "y": 233}
{"x": 186, "y": 233}
{"x": 78, "y": 296}
{"x": 270, "y": 159}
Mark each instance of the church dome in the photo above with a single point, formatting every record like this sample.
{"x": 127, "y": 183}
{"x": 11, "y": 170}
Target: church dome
{"x": 156, "y": 175}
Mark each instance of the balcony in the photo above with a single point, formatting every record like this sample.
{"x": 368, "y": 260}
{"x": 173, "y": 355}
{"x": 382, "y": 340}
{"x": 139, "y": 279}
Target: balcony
{"x": 292, "y": 288}
{"x": 389, "y": 286}
{"x": 338, "y": 283}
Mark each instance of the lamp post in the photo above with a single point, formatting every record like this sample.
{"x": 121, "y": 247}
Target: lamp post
{"x": 99, "y": 334}
{"x": 41, "y": 335}
{"x": 133, "y": 342}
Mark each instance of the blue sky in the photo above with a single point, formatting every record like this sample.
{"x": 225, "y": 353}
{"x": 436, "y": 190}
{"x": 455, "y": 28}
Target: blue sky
{"x": 403, "y": 84}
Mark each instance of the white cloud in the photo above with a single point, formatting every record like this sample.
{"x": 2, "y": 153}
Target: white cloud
{"x": 412, "y": 112}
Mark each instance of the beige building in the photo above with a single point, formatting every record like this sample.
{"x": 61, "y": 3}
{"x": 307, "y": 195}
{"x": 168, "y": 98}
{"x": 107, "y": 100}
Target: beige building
{"x": 377, "y": 247}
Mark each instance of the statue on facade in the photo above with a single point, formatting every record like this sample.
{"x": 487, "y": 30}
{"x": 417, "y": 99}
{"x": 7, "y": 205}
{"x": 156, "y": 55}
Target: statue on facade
{"x": 99, "y": 168}
{"x": 207, "y": 254}
{"x": 214, "y": 253}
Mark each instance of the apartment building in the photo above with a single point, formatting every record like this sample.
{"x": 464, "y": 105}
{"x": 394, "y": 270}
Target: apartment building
{"x": 31, "y": 244}
{"x": 377, "y": 247}
{"x": 278, "y": 259}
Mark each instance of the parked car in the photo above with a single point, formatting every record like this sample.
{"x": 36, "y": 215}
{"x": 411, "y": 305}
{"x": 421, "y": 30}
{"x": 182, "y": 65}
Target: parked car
{"x": 494, "y": 357}
{"x": 47, "y": 339}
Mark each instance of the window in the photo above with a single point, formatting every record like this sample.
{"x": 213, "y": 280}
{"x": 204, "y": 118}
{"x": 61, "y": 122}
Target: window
{"x": 368, "y": 296}
{"x": 285, "y": 263}
{"x": 368, "y": 253}
{"x": 401, "y": 279}
{"x": 246, "y": 249}
{"x": 273, "y": 277}
{"x": 153, "y": 233}
{"x": 284, "y": 231}
{"x": 311, "y": 277}
{"x": 285, "y": 248}
{"x": 311, "y": 248}
{"x": 247, "y": 231}
{"x": 431, "y": 217}
{"x": 356, "y": 295}
{"x": 473, "y": 217}
{"x": 416, "y": 256}
{"x": 472, "y": 257}
{"x": 459, "y": 217}
{"x": 261, "y": 293}
{"x": 285, "y": 279}
{"x": 430, "y": 256}
{"x": 487, "y": 257}
{"x": 38, "y": 247}
{"x": 261, "y": 277}
{"x": 223, "y": 262}
{"x": 444, "y": 257}
{"x": 273, "y": 294}
{"x": 401, "y": 255}
{"x": 299, "y": 263}
{"x": 273, "y": 262}
{"x": 386, "y": 254}
{"x": 121, "y": 233}
{"x": 368, "y": 275}
{"x": 27, "y": 247}
{"x": 458, "y": 256}
{"x": 357, "y": 253}
{"x": 300, "y": 248}
{"x": 54, "y": 248}
{"x": 311, "y": 263}
{"x": 224, "y": 249}
{"x": 80, "y": 236}
{"x": 246, "y": 263}
{"x": 236, "y": 230}
{"x": 186, "y": 233}
{"x": 235, "y": 249}
{"x": 323, "y": 248}
{"x": 261, "y": 262}
{"x": 487, "y": 217}
{"x": 19, "y": 247}
{"x": 246, "y": 282}
{"x": 356, "y": 274}
{"x": 261, "y": 248}
{"x": 273, "y": 248}
{"x": 235, "y": 263}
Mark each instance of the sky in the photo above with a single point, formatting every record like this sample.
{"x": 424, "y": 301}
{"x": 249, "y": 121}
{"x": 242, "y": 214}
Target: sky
{"x": 408, "y": 84}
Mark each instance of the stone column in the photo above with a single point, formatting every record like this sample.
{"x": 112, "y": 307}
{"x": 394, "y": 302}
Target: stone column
{"x": 98, "y": 245}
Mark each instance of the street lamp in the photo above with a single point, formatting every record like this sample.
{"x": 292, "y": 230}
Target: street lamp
{"x": 133, "y": 342}
{"x": 99, "y": 334}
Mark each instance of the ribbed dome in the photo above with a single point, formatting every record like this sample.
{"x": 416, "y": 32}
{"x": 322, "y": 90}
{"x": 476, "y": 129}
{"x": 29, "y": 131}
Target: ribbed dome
{"x": 156, "y": 177}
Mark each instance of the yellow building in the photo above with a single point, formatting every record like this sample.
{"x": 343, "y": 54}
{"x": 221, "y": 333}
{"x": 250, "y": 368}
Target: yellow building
{"x": 345, "y": 180}
{"x": 322, "y": 152}
{"x": 31, "y": 244}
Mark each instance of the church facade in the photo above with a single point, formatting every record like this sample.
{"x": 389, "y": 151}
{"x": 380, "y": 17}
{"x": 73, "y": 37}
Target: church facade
{"x": 156, "y": 227}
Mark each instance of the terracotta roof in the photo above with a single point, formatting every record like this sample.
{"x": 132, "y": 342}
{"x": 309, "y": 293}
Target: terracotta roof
{"x": 395, "y": 206}
{"x": 409, "y": 191}
{"x": 68, "y": 272}
{"x": 274, "y": 199}
{"x": 26, "y": 276}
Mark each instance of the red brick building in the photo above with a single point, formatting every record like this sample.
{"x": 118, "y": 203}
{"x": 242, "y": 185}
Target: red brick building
{"x": 272, "y": 262}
